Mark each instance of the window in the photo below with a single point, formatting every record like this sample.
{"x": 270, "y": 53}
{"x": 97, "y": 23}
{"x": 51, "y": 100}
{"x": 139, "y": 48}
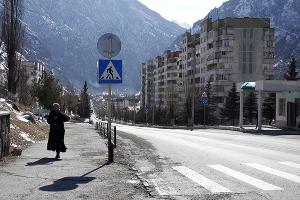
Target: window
{"x": 219, "y": 88}
{"x": 244, "y": 33}
{"x": 282, "y": 107}
{"x": 226, "y": 43}
{"x": 251, "y": 33}
{"x": 270, "y": 43}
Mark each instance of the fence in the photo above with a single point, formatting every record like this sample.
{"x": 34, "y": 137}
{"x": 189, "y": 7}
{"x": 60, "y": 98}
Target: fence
{"x": 4, "y": 133}
{"x": 103, "y": 131}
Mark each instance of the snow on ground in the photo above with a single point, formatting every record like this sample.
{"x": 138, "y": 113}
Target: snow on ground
{"x": 12, "y": 126}
{"x": 22, "y": 118}
{"x": 14, "y": 145}
{"x": 26, "y": 137}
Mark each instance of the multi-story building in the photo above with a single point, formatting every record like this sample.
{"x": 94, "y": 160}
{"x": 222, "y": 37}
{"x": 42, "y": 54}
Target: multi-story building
{"x": 231, "y": 50}
{"x": 161, "y": 81}
{"x": 223, "y": 52}
{"x": 34, "y": 70}
{"x": 148, "y": 92}
{"x": 167, "y": 80}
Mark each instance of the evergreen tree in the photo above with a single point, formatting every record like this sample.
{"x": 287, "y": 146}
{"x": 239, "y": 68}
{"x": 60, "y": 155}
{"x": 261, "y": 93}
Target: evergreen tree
{"x": 13, "y": 36}
{"x": 84, "y": 105}
{"x": 269, "y": 107}
{"x": 48, "y": 90}
{"x": 231, "y": 106}
{"x": 250, "y": 107}
{"x": 211, "y": 108}
{"x": 70, "y": 100}
{"x": 291, "y": 74}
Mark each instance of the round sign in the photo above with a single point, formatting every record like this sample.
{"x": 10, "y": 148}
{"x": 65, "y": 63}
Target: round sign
{"x": 109, "y": 45}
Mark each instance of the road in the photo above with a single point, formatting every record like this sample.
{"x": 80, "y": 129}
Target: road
{"x": 216, "y": 164}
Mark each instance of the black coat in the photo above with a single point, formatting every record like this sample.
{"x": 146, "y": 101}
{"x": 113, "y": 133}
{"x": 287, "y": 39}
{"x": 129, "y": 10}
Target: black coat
{"x": 57, "y": 131}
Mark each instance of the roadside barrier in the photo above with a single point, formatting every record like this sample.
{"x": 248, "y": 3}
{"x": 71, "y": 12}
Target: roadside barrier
{"x": 4, "y": 133}
{"x": 103, "y": 131}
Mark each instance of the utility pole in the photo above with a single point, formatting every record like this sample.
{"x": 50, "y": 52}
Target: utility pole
{"x": 193, "y": 87}
{"x": 153, "y": 102}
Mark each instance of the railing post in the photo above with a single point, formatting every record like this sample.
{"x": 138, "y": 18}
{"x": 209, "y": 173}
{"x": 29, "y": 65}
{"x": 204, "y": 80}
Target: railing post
{"x": 4, "y": 133}
{"x": 115, "y": 137}
{"x": 107, "y": 130}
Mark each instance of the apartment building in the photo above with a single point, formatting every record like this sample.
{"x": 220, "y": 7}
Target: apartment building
{"x": 161, "y": 82}
{"x": 33, "y": 69}
{"x": 167, "y": 80}
{"x": 226, "y": 51}
{"x": 147, "y": 92}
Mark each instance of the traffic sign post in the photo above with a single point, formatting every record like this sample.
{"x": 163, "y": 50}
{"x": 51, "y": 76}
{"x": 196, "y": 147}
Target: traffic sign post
{"x": 204, "y": 101}
{"x": 110, "y": 72}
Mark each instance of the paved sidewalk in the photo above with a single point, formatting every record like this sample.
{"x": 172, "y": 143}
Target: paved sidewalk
{"x": 82, "y": 173}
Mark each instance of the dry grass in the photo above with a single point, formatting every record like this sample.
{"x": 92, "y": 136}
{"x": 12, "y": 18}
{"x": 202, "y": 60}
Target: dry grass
{"x": 36, "y": 132}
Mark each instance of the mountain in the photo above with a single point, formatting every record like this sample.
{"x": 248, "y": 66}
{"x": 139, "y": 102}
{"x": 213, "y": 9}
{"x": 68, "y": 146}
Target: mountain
{"x": 285, "y": 19}
{"x": 63, "y": 34}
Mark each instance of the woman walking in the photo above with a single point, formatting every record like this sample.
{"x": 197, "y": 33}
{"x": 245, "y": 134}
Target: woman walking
{"x": 56, "y": 121}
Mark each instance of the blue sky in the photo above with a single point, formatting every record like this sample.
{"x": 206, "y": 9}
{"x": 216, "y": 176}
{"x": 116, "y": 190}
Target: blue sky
{"x": 182, "y": 11}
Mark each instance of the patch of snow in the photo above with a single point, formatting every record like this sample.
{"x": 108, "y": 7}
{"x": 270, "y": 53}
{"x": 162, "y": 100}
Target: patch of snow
{"x": 14, "y": 145}
{"x": 26, "y": 137}
{"x": 244, "y": 8}
{"x": 12, "y": 126}
{"x": 2, "y": 100}
{"x": 9, "y": 105}
{"x": 289, "y": 12}
{"x": 22, "y": 118}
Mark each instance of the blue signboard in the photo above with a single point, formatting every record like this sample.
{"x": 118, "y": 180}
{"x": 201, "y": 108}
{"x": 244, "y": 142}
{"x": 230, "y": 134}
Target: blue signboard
{"x": 204, "y": 101}
{"x": 146, "y": 109}
{"x": 110, "y": 71}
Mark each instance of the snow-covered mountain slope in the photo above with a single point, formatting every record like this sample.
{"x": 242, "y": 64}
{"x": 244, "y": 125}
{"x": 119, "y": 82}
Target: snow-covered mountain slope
{"x": 63, "y": 34}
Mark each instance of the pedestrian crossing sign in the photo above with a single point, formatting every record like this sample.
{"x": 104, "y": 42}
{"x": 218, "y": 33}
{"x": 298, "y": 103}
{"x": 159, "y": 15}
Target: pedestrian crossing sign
{"x": 110, "y": 71}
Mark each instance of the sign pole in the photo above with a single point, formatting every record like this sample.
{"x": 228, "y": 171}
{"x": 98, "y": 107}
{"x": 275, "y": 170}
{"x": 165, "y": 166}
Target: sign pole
{"x": 110, "y": 72}
{"x": 205, "y": 103}
{"x": 204, "y": 117}
{"x": 110, "y": 147}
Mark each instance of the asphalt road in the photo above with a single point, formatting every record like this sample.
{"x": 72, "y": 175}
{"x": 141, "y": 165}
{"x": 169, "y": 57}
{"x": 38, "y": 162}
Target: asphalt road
{"x": 216, "y": 164}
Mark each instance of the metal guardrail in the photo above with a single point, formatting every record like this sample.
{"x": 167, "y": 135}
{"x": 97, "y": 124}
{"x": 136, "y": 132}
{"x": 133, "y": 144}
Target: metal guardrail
{"x": 4, "y": 133}
{"x": 103, "y": 131}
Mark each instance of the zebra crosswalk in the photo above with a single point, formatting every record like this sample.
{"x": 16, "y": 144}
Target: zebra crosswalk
{"x": 275, "y": 172}
{"x": 245, "y": 178}
{"x": 257, "y": 179}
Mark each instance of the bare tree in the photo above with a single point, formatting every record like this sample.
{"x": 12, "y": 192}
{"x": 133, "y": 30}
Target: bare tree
{"x": 12, "y": 36}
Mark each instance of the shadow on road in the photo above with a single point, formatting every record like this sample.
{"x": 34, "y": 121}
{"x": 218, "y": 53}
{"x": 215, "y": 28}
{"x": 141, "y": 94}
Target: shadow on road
{"x": 278, "y": 132}
{"x": 70, "y": 183}
{"x": 42, "y": 161}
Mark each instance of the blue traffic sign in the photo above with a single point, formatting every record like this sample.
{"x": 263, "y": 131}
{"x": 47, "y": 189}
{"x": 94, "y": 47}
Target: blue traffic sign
{"x": 110, "y": 71}
{"x": 204, "y": 101}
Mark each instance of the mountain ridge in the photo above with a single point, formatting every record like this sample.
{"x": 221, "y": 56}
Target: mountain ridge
{"x": 63, "y": 34}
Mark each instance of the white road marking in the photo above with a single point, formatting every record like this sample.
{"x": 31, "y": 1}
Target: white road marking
{"x": 291, "y": 164}
{"x": 245, "y": 178}
{"x": 275, "y": 172}
{"x": 201, "y": 180}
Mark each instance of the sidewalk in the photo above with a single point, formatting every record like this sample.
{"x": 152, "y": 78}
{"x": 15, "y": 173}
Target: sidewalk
{"x": 82, "y": 173}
